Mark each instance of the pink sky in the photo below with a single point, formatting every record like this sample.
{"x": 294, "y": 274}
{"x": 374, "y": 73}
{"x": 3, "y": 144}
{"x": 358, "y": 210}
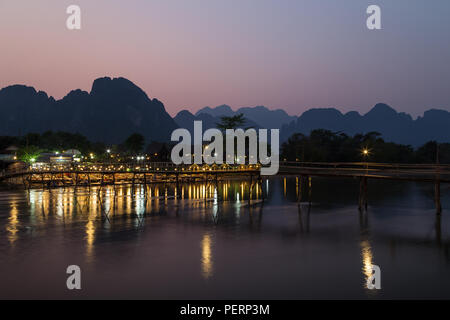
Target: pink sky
{"x": 189, "y": 54}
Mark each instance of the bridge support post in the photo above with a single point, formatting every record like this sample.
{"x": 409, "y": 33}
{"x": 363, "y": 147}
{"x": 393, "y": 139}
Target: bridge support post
{"x": 299, "y": 188}
{"x": 309, "y": 189}
{"x": 145, "y": 185}
{"x": 260, "y": 182}
{"x": 177, "y": 184}
{"x": 362, "y": 203}
{"x": 250, "y": 190}
{"x": 437, "y": 197}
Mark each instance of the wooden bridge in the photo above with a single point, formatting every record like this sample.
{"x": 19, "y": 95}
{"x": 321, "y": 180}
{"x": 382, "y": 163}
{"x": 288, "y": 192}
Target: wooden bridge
{"x": 56, "y": 175}
{"x": 433, "y": 173}
{"x": 409, "y": 172}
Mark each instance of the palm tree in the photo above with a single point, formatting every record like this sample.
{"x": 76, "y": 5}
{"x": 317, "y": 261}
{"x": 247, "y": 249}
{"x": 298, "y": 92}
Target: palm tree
{"x": 231, "y": 122}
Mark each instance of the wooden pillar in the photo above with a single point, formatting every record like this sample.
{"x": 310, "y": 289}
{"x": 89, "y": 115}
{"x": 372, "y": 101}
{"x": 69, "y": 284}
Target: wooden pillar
{"x": 76, "y": 179}
{"x": 437, "y": 197}
{"x": 262, "y": 190}
{"x": 365, "y": 193}
{"x": 299, "y": 188}
{"x": 360, "y": 195}
{"x": 363, "y": 203}
{"x": 250, "y": 190}
{"x": 23, "y": 181}
{"x": 206, "y": 185}
{"x": 309, "y": 189}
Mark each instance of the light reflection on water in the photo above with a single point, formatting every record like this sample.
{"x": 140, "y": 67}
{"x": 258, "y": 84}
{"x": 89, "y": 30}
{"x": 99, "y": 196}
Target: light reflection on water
{"x": 225, "y": 242}
{"x": 207, "y": 264}
{"x": 13, "y": 223}
{"x": 367, "y": 259}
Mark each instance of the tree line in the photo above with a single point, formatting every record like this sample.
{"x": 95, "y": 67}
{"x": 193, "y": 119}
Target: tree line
{"x": 319, "y": 146}
{"x": 327, "y": 146}
{"x": 33, "y": 144}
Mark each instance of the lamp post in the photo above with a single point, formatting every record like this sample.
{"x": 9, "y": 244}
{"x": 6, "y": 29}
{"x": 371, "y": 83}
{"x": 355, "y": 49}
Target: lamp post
{"x": 365, "y": 152}
{"x": 108, "y": 156}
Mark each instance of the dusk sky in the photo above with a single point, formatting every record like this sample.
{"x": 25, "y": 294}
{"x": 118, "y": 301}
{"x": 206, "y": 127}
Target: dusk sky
{"x": 289, "y": 54}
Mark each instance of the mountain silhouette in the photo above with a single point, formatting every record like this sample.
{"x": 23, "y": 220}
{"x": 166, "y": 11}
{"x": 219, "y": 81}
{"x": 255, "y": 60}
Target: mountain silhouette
{"x": 116, "y": 108}
{"x": 113, "y": 110}
{"x": 394, "y": 126}
{"x": 258, "y": 117}
{"x": 219, "y": 111}
{"x": 185, "y": 119}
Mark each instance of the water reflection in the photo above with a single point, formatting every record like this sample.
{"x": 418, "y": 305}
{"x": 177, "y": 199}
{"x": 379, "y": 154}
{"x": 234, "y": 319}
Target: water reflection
{"x": 207, "y": 260}
{"x": 111, "y": 204}
{"x": 13, "y": 224}
{"x": 213, "y": 222}
{"x": 367, "y": 260}
{"x": 90, "y": 237}
{"x": 366, "y": 249}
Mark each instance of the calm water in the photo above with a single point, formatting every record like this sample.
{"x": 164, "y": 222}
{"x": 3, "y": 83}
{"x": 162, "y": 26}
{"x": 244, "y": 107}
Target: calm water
{"x": 136, "y": 244}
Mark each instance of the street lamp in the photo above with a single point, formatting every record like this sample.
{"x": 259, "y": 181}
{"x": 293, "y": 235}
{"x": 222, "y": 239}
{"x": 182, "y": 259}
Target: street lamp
{"x": 366, "y": 152}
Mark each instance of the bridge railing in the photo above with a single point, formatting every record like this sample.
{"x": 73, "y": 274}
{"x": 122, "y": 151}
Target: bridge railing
{"x": 132, "y": 167}
{"x": 355, "y": 167}
{"x": 368, "y": 168}
{"x": 364, "y": 164}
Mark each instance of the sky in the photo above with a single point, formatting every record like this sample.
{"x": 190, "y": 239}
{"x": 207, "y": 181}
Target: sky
{"x": 288, "y": 54}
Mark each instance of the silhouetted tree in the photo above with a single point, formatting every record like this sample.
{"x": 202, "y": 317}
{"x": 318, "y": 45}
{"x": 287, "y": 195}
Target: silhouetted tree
{"x": 135, "y": 143}
{"x": 327, "y": 146}
{"x": 232, "y": 122}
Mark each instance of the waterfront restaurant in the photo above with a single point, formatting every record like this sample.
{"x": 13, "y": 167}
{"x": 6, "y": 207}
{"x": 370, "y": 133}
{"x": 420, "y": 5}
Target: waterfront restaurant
{"x": 67, "y": 157}
{"x": 9, "y": 154}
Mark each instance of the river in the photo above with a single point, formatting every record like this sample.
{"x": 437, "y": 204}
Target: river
{"x": 207, "y": 242}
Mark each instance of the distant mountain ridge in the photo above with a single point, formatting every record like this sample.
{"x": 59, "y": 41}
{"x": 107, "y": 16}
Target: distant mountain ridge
{"x": 259, "y": 116}
{"x": 114, "y": 109}
{"x": 185, "y": 119}
{"x": 394, "y": 126}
